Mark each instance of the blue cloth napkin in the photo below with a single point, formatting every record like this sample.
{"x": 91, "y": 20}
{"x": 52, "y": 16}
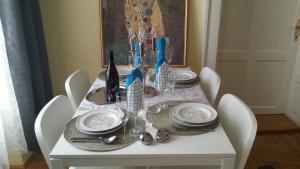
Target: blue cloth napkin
{"x": 161, "y": 44}
{"x": 161, "y": 66}
{"x": 136, "y": 73}
{"x": 135, "y": 91}
{"x": 137, "y": 55}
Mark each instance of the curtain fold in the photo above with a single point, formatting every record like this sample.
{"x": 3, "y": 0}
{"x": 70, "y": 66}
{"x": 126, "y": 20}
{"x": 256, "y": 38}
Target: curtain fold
{"x": 27, "y": 58}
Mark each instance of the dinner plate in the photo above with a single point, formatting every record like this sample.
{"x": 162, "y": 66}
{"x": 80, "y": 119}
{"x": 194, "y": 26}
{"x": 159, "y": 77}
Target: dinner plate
{"x": 171, "y": 115}
{"x": 101, "y": 120}
{"x": 182, "y": 76}
{"x": 123, "y": 70}
{"x": 194, "y": 113}
{"x": 100, "y": 133}
{"x": 185, "y": 76}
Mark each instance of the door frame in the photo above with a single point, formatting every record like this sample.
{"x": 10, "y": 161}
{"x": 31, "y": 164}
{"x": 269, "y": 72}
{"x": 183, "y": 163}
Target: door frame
{"x": 212, "y": 21}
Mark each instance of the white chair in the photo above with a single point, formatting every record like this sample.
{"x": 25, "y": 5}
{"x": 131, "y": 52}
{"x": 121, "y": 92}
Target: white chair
{"x": 240, "y": 126}
{"x": 51, "y": 122}
{"x": 210, "y": 82}
{"x": 77, "y": 85}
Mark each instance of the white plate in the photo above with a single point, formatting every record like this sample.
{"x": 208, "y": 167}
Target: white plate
{"x": 195, "y": 113}
{"x": 123, "y": 70}
{"x": 187, "y": 124}
{"x": 100, "y": 133}
{"x": 185, "y": 75}
{"x": 99, "y": 120}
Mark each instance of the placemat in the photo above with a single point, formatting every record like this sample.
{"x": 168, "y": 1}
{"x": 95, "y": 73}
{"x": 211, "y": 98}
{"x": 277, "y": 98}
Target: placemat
{"x": 120, "y": 142}
{"x": 162, "y": 120}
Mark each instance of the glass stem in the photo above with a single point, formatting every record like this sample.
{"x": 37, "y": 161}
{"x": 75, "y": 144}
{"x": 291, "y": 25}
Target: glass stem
{"x": 124, "y": 134}
{"x": 161, "y": 97}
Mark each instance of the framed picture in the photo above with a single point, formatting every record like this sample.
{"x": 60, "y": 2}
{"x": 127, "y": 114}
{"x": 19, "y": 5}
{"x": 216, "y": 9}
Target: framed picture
{"x": 167, "y": 17}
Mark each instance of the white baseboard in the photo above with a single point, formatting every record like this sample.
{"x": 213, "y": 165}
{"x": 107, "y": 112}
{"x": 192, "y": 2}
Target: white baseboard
{"x": 294, "y": 118}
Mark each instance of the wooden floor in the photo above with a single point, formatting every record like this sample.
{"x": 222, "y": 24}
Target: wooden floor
{"x": 278, "y": 149}
{"x": 275, "y": 123}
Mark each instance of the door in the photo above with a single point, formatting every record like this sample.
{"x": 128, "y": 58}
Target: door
{"x": 256, "y": 51}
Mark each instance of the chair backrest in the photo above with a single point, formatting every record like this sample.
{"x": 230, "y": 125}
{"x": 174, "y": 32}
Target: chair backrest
{"x": 51, "y": 122}
{"x": 77, "y": 85}
{"x": 240, "y": 126}
{"x": 210, "y": 82}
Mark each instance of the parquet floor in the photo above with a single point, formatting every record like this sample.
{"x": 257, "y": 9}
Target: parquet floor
{"x": 279, "y": 149}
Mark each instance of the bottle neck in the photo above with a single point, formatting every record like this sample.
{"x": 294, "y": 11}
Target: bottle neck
{"x": 111, "y": 59}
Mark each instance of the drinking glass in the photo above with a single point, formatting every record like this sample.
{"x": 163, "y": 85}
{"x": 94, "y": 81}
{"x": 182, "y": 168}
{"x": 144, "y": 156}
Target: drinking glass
{"x": 137, "y": 129}
{"x": 122, "y": 108}
{"x": 161, "y": 91}
{"x": 131, "y": 60}
{"x": 147, "y": 60}
{"x": 171, "y": 80}
{"x": 143, "y": 115}
{"x": 169, "y": 52}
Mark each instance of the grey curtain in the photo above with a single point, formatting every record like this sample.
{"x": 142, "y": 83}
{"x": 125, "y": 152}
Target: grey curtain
{"x": 28, "y": 62}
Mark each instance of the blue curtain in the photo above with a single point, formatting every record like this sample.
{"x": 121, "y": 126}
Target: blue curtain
{"x": 28, "y": 62}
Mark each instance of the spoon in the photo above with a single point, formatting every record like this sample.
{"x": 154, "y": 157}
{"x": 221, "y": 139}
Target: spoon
{"x": 106, "y": 140}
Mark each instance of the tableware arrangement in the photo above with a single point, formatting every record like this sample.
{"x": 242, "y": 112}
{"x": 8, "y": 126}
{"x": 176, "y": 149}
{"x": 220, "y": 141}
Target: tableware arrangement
{"x": 185, "y": 76}
{"x": 109, "y": 141}
{"x": 193, "y": 114}
{"x": 99, "y": 122}
{"x": 182, "y": 77}
{"x": 184, "y": 125}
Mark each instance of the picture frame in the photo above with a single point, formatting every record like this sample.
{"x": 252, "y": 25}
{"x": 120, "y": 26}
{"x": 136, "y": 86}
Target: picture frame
{"x": 114, "y": 36}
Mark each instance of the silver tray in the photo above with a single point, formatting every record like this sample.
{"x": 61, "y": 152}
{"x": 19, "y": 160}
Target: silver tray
{"x": 98, "y": 96}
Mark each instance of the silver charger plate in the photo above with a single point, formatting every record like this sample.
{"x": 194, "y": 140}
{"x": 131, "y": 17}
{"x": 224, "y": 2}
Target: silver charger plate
{"x": 71, "y": 131}
{"x": 163, "y": 120}
{"x": 98, "y": 96}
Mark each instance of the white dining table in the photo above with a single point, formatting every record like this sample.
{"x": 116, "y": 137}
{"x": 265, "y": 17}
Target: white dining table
{"x": 208, "y": 149}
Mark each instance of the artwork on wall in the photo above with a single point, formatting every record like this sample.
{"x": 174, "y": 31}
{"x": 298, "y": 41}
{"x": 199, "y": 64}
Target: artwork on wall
{"x": 167, "y": 17}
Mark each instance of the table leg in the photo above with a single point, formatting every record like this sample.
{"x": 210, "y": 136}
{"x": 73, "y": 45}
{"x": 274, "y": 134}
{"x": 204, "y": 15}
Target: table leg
{"x": 228, "y": 163}
{"x": 57, "y": 164}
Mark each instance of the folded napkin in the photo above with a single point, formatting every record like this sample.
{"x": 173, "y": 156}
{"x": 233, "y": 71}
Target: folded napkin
{"x": 135, "y": 91}
{"x": 161, "y": 66}
{"x": 137, "y": 55}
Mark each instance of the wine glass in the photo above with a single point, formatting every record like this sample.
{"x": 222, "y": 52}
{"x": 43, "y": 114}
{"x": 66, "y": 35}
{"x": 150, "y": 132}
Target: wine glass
{"x": 161, "y": 90}
{"x": 171, "y": 80}
{"x": 137, "y": 129}
{"x": 136, "y": 113}
{"x": 169, "y": 52}
{"x": 131, "y": 60}
{"x": 143, "y": 115}
{"x": 147, "y": 60}
{"x": 122, "y": 108}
